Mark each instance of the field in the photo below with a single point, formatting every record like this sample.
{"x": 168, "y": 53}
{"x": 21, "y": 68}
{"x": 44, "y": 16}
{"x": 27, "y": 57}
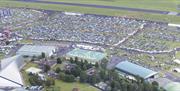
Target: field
{"x": 178, "y": 55}
{"x": 166, "y": 5}
{"x": 1, "y": 56}
{"x": 69, "y": 86}
{"x": 140, "y": 15}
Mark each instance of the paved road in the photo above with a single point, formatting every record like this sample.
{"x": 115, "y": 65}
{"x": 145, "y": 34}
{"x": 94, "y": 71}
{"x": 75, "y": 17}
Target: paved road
{"x": 172, "y": 77}
{"x": 101, "y": 6}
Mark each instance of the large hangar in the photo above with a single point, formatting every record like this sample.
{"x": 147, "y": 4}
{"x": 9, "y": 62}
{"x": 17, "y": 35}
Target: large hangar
{"x": 135, "y": 70}
{"x": 36, "y": 50}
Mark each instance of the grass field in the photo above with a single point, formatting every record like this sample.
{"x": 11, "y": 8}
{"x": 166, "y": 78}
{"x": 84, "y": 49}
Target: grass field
{"x": 64, "y": 86}
{"x": 166, "y": 5}
{"x": 1, "y": 56}
{"x": 178, "y": 55}
{"x": 25, "y": 41}
{"x": 139, "y": 15}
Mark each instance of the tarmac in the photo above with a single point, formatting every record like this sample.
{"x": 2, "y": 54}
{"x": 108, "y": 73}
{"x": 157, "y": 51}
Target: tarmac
{"x": 102, "y": 6}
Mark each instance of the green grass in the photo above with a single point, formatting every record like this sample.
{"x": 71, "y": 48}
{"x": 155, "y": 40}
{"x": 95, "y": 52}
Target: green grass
{"x": 111, "y": 12}
{"x": 166, "y": 5}
{"x": 64, "y": 86}
{"x": 25, "y": 41}
{"x": 178, "y": 55}
{"x": 61, "y": 66}
{"x": 173, "y": 44}
{"x": 1, "y": 56}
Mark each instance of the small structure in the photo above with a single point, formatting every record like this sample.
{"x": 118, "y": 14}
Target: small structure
{"x": 69, "y": 66}
{"x": 90, "y": 56}
{"x": 135, "y": 70}
{"x": 91, "y": 71}
{"x": 176, "y": 70}
{"x": 177, "y": 61}
{"x": 36, "y": 50}
{"x": 33, "y": 70}
{"x": 101, "y": 85}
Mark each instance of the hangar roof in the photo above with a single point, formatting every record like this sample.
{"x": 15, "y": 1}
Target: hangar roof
{"x": 134, "y": 69}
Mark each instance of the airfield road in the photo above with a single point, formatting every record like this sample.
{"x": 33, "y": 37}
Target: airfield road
{"x": 101, "y": 6}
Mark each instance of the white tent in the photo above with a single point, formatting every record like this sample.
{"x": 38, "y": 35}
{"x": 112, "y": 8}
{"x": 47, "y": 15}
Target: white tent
{"x": 33, "y": 70}
{"x": 177, "y": 61}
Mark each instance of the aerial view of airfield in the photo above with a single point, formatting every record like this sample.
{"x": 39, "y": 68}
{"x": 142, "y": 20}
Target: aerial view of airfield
{"x": 89, "y": 45}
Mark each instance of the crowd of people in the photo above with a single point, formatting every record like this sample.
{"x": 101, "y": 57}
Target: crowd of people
{"x": 158, "y": 37}
{"x": 108, "y": 30}
{"x": 83, "y": 28}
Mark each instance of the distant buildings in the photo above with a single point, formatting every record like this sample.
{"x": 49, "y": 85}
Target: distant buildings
{"x": 90, "y": 56}
{"x": 36, "y": 50}
{"x": 128, "y": 68}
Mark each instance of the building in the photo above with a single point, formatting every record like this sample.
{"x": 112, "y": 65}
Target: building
{"x": 90, "y": 56}
{"x": 177, "y": 61}
{"x": 36, "y": 50}
{"x": 128, "y": 68}
{"x": 176, "y": 70}
{"x": 33, "y": 70}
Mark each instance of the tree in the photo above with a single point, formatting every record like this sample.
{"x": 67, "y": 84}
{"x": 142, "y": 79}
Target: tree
{"x": 58, "y": 70}
{"x": 97, "y": 65}
{"x": 102, "y": 74}
{"x": 46, "y": 68}
{"x": 69, "y": 78}
{"x": 62, "y": 76}
{"x": 76, "y": 59}
{"x": 84, "y": 67}
{"x": 155, "y": 83}
{"x": 76, "y": 71}
{"x": 59, "y": 61}
{"x": 49, "y": 82}
{"x": 71, "y": 60}
{"x": 104, "y": 63}
{"x": 7, "y": 42}
{"x": 34, "y": 80}
{"x": 43, "y": 55}
{"x": 92, "y": 79}
{"x": 83, "y": 76}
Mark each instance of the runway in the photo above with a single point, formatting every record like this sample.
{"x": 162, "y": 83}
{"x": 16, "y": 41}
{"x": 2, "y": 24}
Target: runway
{"x": 101, "y": 6}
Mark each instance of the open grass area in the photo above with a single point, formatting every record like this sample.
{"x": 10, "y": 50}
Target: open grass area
{"x": 166, "y": 5}
{"x": 178, "y": 55}
{"x": 88, "y": 10}
{"x": 25, "y": 41}
{"x": 1, "y": 56}
{"x": 64, "y": 86}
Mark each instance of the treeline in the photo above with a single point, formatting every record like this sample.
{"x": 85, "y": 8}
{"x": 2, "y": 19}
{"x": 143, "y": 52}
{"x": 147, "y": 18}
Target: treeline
{"x": 114, "y": 81}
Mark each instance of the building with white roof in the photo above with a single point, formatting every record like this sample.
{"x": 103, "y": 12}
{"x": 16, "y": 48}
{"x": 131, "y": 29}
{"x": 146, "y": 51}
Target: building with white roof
{"x": 176, "y": 70}
{"x": 36, "y": 50}
{"x": 177, "y": 61}
{"x": 33, "y": 70}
